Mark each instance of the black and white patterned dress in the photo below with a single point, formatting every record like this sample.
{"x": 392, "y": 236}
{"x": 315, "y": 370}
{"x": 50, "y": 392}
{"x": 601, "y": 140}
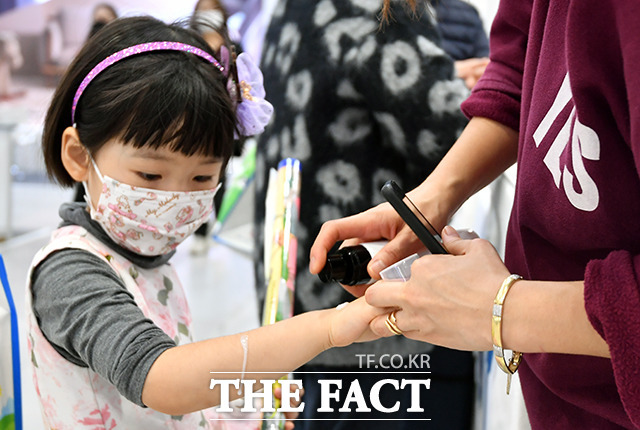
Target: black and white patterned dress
{"x": 358, "y": 105}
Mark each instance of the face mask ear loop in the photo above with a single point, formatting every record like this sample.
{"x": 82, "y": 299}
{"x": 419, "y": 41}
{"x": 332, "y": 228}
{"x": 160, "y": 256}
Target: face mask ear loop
{"x": 95, "y": 166}
{"x": 85, "y": 185}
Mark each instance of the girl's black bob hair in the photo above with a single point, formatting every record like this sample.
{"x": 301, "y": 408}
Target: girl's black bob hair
{"x": 154, "y": 99}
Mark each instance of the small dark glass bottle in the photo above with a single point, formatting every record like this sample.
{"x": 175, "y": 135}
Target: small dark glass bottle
{"x": 348, "y": 265}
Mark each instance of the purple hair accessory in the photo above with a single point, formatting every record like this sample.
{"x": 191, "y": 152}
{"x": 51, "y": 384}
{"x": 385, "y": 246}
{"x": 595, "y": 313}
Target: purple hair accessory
{"x": 253, "y": 112}
{"x": 139, "y": 49}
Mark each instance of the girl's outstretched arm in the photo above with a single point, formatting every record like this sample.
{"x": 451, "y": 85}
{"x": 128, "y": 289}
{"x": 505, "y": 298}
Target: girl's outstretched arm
{"x": 178, "y": 381}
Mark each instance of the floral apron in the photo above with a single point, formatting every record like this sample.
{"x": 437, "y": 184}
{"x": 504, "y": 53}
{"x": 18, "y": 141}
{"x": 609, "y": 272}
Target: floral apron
{"x": 74, "y": 397}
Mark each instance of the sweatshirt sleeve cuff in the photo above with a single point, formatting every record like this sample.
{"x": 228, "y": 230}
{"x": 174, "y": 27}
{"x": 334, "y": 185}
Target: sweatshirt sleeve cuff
{"x": 494, "y": 105}
{"x": 612, "y": 301}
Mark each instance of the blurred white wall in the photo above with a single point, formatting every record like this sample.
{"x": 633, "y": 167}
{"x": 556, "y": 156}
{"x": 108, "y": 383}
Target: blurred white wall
{"x": 487, "y": 10}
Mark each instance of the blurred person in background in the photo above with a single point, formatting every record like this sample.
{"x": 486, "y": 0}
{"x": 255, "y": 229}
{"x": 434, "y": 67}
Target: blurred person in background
{"x": 463, "y": 38}
{"x": 10, "y": 59}
{"x": 209, "y": 18}
{"x": 103, "y": 14}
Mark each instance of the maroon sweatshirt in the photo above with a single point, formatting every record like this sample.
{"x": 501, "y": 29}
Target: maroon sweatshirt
{"x": 566, "y": 74}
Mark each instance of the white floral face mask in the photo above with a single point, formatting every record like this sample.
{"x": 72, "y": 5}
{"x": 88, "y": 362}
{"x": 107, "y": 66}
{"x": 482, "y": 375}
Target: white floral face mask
{"x": 147, "y": 221}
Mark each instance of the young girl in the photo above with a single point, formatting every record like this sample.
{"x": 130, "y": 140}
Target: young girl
{"x": 145, "y": 118}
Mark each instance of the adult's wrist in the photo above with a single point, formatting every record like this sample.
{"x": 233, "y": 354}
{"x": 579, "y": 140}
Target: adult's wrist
{"x": 484, "y": 150}
{"x": 508, "y": 365}
{"x": 438, "y": 199}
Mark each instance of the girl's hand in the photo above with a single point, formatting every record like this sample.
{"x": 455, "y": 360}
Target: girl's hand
{"x": 351, "y": 323}
{"x": 380, "y": 222}
{"x": 449, "y": 299}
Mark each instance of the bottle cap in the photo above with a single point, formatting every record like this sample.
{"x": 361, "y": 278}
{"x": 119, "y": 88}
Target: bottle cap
{"x": 334, "y": 269}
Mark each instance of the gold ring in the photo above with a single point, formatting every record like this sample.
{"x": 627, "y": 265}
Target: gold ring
{"x": 392, "y": 323}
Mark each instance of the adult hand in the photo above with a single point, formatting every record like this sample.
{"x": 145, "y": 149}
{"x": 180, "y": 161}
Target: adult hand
{"x": 449, "y": 299}
{"x": 380, "y": 222}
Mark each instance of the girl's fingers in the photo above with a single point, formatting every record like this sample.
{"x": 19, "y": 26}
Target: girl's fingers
{"x": 386, "y": 294}
{"x": 379, "y": 327}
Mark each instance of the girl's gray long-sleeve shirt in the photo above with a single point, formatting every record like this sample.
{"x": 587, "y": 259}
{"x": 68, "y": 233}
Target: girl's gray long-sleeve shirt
{"x": 85, "y": 311}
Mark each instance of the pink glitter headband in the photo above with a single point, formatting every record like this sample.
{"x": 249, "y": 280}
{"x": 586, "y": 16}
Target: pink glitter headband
{"x": 134, "y": 50}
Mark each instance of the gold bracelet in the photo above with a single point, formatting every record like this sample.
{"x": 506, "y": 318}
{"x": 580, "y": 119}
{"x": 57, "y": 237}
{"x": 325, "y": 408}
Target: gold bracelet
{"x": 511, "y": 366}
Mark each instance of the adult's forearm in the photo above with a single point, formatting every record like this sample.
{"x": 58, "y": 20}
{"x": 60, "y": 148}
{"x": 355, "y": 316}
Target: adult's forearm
{"x": 484, "y": 150}
{"x": 550, "y": 317}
